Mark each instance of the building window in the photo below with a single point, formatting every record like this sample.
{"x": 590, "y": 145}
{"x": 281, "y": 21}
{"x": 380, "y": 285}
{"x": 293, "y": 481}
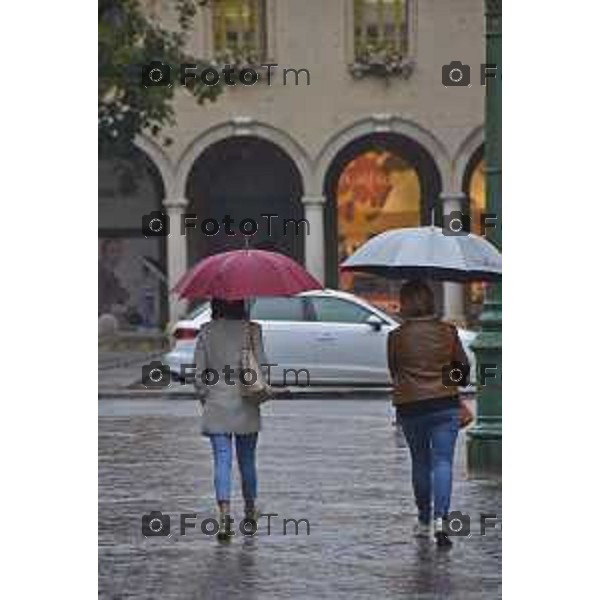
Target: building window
{"x": 239, "y": 31}
{"x": 381, "y": 38}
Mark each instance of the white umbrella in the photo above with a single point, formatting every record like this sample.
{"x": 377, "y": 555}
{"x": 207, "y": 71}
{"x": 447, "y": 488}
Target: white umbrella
{"x": 427, "y": 253}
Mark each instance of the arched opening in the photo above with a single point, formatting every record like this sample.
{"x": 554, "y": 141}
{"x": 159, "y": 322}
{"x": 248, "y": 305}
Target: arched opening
{"x": 131, "y": 267}
{"x": 243, "y": 178}
{"x": 474, "y": 190}
{"x": 377, "y": 182}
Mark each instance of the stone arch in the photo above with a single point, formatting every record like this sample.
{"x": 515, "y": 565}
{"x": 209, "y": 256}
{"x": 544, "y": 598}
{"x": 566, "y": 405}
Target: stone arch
{"x": 247, "y": 127}
{"x": 245, "y": 177}
{"x": 467, "y": 156}
{"x": 427, "y": 162}
{"x": 161, "y": 161}
{"x": 461, "y": 162}
{"x": 132, "y": 267}
{"x": 383, "y": 123}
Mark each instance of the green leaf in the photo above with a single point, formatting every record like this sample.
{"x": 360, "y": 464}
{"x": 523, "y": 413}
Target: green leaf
{"x": 127, "y": 41}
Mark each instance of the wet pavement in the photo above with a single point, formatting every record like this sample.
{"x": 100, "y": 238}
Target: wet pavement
{"x": 341, "y": 464}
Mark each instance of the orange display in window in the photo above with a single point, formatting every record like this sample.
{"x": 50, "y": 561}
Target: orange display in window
{"x": 378, "y": 190}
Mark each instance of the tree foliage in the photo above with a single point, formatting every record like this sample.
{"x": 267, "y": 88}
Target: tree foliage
{"x": 128, "y": 39}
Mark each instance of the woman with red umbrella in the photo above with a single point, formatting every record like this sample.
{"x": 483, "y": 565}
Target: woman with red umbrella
{"x": 230, "y": 411}
{"x": 227, "y": 413}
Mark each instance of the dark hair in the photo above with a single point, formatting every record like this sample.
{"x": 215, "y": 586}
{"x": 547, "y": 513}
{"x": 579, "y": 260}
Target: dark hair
{"x": 227, "y": 309}
{"x": 416, "y": 299}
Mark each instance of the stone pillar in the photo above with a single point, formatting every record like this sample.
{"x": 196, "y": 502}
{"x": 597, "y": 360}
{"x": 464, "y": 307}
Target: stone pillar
{"x": 314, "y": 240}
{"x": 176, "y": 254}
{"x": 454, "y": 298}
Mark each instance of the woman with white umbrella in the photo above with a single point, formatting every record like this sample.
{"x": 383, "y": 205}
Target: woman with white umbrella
{"x": 427, "y": 405}
{"x": 426, "y": 359}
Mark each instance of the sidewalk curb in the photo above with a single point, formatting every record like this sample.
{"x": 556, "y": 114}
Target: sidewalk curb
{"x": 280, "y": 394}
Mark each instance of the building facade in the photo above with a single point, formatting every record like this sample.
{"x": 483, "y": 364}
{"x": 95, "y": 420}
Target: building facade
{"x": 363, "y": 137}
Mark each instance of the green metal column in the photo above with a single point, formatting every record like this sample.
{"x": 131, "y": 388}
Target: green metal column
{"x": 485, "y": 438}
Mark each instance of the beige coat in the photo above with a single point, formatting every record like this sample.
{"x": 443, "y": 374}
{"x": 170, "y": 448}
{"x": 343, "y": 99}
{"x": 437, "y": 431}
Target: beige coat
{"x": 220, "y": 344}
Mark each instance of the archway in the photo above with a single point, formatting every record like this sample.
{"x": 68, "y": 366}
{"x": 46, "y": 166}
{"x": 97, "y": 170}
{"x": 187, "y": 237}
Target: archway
{"x": 244, "y": 177}
{"x": 131, "y": 267}
{"x": 377, "y": 182}
{"x": 473, "y": 185}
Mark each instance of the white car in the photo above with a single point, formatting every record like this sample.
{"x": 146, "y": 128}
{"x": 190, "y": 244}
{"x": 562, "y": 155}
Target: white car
{"x": 328, "y": 336}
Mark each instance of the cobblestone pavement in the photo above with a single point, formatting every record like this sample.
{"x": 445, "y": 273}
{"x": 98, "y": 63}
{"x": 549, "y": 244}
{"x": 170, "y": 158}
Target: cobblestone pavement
{"x": 118, "y": 370}
{"x": 338, "y": 463}
{"x": 109, "y": 361}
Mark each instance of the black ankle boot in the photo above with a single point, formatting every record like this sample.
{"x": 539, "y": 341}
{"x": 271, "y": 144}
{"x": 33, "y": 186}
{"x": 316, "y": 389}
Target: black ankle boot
{"x": 442, "y": 540}
{"x": 441, "y": 537}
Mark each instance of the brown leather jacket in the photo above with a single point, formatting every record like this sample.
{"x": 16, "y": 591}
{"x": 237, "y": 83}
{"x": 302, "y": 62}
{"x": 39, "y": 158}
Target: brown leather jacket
{"x": 418, "y": 350}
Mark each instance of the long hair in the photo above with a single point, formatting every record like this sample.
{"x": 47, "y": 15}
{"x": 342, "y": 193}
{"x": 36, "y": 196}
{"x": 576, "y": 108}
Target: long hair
{"x": 416, "y": 299}
{"x": 227, "y": 309}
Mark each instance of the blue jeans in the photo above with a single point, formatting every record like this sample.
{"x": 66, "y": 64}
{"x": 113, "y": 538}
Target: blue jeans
{"x": 245, "y": 449}
{"x": 431, "y": 438}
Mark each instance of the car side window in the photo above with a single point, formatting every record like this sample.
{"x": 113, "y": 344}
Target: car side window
{"x": 335, "y": 310}
{"x": 277, "y": 309}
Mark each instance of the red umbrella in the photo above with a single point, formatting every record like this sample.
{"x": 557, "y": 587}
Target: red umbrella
{"x": 243, "y": 274}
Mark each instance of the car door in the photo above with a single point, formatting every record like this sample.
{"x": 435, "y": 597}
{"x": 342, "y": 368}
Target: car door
{"x": 349, "y": 348}
{"x": 283, "y": 321}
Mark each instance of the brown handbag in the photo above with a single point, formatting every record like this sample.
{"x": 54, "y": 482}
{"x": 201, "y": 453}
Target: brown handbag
{"x": 260, "y": 390}
{"x": 465, "y": 414}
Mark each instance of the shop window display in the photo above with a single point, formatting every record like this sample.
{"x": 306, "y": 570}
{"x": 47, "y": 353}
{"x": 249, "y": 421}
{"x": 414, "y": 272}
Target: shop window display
{"x": 378, "y": 190}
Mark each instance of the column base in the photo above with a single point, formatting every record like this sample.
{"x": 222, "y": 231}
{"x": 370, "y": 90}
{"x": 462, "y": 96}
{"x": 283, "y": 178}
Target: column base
{"x": 484, "y": 452}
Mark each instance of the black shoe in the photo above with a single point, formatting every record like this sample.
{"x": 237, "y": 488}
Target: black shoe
{"x": 251, "y": 513}
{"x": 442, "y": 540}
{"x": 224, "y": 534}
